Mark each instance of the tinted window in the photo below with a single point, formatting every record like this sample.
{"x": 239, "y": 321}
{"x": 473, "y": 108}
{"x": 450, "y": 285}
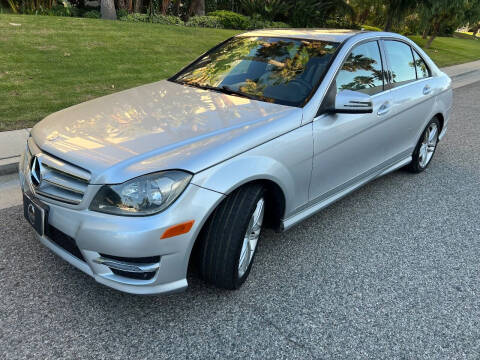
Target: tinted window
{"x": 422, "y": 69}
{"x": 400, "y": 58}
{"x": 279, "y": 70}
{"x": 362, "y": 71}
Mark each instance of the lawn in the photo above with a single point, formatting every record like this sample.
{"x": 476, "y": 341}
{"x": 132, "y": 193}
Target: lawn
{"x": 447, "y": 51}
{"x": 49, "y": 63}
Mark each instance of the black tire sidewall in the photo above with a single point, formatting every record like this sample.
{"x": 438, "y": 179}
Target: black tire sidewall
{"x": 239, "y": 280}
{"x": 415, "y": 165}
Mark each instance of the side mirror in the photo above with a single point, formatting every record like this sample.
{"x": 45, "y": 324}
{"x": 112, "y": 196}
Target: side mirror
{"x": 353, "y": 102}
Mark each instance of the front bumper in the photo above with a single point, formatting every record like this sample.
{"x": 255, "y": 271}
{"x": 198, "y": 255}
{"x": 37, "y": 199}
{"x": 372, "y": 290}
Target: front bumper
{"x": 98, "y": 235}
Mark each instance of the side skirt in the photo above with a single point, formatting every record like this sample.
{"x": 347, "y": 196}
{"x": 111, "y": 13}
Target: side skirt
{"x": 343, "y": 190}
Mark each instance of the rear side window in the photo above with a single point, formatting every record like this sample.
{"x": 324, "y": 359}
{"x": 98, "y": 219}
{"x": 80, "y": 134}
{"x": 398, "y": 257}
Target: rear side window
{"x": 422, "y": 68}
{"x": 362, "y": 70}
{"x": 401, "y": 62}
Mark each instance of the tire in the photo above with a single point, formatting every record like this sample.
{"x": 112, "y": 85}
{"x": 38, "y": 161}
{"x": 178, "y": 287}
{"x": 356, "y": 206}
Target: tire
{"x": 425, "y": 149}
{"x": 224, "y": 235}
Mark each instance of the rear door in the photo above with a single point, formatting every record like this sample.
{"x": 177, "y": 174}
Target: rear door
{"x": 412, "y": 96}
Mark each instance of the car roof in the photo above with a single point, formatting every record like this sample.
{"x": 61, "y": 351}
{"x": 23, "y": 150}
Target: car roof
{"x": 333, "y": 35}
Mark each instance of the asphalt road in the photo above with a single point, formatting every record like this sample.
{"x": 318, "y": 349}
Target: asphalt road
{"x": 391, "y": 271}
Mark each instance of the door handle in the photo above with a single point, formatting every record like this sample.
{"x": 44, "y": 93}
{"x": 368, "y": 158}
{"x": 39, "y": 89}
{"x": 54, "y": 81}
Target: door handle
{"x": 384, "y": 108}
{"x": 427, "y": 90}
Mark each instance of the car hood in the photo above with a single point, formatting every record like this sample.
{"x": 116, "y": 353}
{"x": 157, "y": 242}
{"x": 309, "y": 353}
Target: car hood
{"x": 160, "y": 126}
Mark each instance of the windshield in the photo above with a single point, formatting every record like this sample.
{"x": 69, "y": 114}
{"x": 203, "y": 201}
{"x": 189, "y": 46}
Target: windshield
{"x": 279, "y": 70}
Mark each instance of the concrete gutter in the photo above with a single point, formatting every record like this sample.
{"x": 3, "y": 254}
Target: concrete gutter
{"x": 12, "y": 143}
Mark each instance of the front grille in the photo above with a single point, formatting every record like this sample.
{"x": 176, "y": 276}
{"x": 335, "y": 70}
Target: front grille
{"x": 57, "y": 179}
{"x": 64, "y": 241}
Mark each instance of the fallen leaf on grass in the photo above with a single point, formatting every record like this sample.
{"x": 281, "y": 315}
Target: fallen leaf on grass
{"x": 66, "y": 54}
{"x": 15, "y": 24}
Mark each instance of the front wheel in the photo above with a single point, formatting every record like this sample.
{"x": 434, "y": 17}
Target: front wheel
{"x": 229, "y": 239}
{"x": 426, "y": 146}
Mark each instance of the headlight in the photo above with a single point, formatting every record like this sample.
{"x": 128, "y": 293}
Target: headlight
{"x": 145, "y": 195}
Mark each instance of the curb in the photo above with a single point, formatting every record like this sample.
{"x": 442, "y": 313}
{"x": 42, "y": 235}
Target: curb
{"x": 9, "y": 164}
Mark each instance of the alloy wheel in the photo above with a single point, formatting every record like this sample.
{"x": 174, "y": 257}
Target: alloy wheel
{"x": 429, "y": 144}
{"x": 250, "y": 239}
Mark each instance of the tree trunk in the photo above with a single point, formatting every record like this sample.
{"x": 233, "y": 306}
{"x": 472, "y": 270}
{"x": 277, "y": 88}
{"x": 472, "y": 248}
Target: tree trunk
{"x": 165, "y": 4}
{"x": 388, "y": 23}
{"x": 433, "y": 35}
{"x": 176, "y": 7}
{"x": 107, "y": 9}
{"x": 197, "y": 8}
{"x": 130, "y": 5}
{"x": 425, "y": 33}
{"x": 122, "y": 4}
{"x": 138, "y": 6}
{"x": 475, "y": 30}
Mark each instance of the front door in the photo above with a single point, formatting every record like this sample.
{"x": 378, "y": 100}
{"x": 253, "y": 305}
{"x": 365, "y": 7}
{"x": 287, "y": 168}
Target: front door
{"x": 350, "y": 147}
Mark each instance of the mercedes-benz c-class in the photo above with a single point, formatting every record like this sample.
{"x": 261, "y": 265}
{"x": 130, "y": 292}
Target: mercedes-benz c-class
{"x": 263, "y": 130}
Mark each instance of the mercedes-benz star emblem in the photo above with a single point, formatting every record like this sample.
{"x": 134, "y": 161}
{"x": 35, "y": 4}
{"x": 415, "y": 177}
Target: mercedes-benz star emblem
{"x": 36, "y": 171}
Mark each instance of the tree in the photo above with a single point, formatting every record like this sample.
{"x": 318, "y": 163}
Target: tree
{"x": 472, "y": 16}
{"x": 443, "y": 14}
{"x": 138, "y": 6}
{"x": 165, "y": 5}
{"x": 307, "y": 13}
{"x": 107, "y": 9}
{"x": 396, "y": 9}
{"x": 197, "y": 8}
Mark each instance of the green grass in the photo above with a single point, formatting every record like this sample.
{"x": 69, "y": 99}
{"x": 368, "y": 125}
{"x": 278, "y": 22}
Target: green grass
{"x": 49, "y": 63}
{"x": 447, "y": 51}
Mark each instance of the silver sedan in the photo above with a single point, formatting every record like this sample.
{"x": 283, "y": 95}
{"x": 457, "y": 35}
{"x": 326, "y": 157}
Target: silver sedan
{"x": 263, "y": 130}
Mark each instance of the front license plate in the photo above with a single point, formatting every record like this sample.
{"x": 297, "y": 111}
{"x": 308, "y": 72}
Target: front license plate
{"x": 35, "y": 212}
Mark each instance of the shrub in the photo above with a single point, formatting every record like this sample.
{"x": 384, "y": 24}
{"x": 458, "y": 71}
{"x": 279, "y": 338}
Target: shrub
{"x": 92, "y": 14}
{"x": 157, "y": 19}
{"x": 267, "y": 9}
{"x": 121, "y": 13}
{"x": 204, "y": 21}
{"x": 340, "y": 23}
{"x": 166, "y": 20}
{"x": 60, "y": 10}
{"x": 135, "y": 17}
{"x": 278, "y": 24}
{"x": 231, "y": 20}
{"x": 256, "y": 22}
{"x": 370, "y": 28}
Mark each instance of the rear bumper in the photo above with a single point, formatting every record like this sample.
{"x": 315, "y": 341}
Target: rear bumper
{"x": 99, "y": 235}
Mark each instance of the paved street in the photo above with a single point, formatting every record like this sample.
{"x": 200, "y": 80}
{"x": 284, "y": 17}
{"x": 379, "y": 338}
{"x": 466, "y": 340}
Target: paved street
{"x": 391, "y": 271}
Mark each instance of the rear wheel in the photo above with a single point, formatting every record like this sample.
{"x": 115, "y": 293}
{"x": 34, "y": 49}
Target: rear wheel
{"x": 426, "y": 146}
{"x": 229, "y": 239}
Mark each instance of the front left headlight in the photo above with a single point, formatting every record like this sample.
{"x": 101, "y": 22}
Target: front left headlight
{"x": 145, "y": 195}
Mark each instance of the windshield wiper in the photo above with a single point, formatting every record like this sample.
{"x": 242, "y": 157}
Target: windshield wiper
{"x": 223, "y": 89}
{"x": 228, "y": 90}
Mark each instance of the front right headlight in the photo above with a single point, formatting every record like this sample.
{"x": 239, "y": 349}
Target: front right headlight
{"x": 145, "y": 195}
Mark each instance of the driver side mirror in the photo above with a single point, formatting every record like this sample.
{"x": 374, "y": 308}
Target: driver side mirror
{"x": 353, "y": 102}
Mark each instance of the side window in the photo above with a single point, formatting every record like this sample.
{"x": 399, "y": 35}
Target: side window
{"x": 401, "y": 62}
{"x": 362, "y": 70}
{"x": 422, "y": 68}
